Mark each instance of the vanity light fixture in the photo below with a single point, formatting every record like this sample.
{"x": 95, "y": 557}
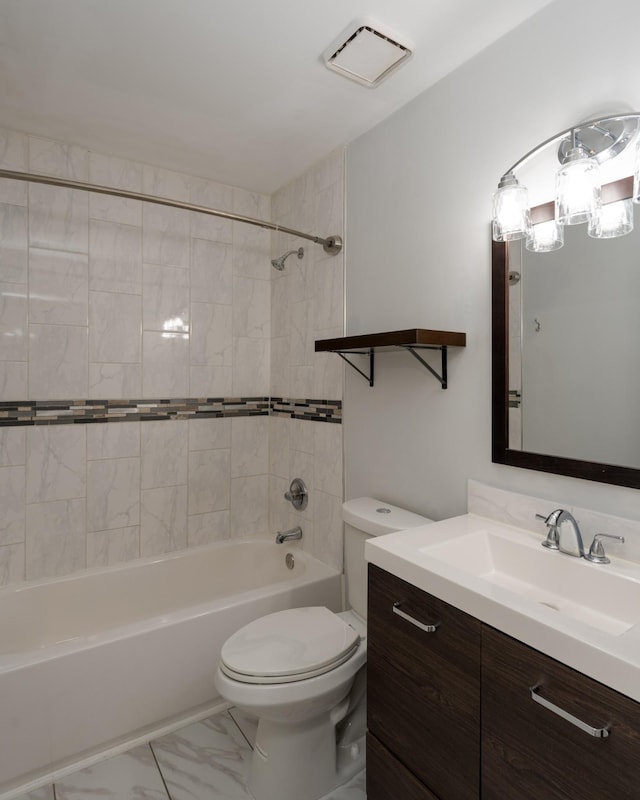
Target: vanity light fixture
{"x": 581, "y": 151}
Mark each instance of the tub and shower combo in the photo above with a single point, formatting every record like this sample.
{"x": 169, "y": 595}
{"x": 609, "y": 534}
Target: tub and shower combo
{"x": 98, "y": 661}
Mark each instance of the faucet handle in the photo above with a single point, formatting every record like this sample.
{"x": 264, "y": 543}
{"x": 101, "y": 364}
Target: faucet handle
{"x": 552, "y": 540}
{"x": 596, "y": 552}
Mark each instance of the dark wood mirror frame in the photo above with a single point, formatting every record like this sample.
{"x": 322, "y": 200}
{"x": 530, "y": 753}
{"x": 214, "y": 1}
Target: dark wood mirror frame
{"x": 500, "y": 452}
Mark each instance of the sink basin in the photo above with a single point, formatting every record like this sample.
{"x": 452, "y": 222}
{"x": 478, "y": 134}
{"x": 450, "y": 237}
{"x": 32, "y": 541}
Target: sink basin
{"x": 597, "y": 595}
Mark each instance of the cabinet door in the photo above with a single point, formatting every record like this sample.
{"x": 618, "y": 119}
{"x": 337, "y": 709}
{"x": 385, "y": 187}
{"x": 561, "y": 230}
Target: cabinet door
{"x": 530, "y": 752}
{"x": 387, "y": 779}
{"x": 423, "y": 696}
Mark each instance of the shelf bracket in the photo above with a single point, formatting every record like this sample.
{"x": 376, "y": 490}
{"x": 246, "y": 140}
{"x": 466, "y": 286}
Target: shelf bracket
{"x": 369, "y": 353}
{"x": 443, "y": 356}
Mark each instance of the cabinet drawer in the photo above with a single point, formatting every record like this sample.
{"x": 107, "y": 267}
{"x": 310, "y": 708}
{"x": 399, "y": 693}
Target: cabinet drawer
{"x": 530, "y": 752}
{"x": 424, "y": 688}
{"x": 387, "y": 779}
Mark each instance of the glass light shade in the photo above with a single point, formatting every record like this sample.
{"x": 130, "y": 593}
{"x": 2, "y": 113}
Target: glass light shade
{"x": 615, "y": 219}
{"x": 511, "y": 219}
{"x": 636, "y": 175}
{"x": 545, "y": 237}
{"x": 577, "y": 189}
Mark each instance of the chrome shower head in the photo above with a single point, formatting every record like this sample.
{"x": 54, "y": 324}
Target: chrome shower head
{"x": 278, "y": 263}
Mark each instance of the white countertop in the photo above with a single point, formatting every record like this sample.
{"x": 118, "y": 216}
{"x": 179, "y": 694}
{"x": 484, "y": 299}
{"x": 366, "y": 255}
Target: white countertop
{"x": 609, "y": 657}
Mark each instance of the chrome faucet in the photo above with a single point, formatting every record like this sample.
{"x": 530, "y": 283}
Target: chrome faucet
{"x": 292, "y": 533}
{"x": 564, "y": 534}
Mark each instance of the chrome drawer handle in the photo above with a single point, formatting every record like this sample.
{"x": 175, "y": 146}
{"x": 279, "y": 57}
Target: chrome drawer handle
{"x": 599, "y": 733}
{"x": 427, "y": 628}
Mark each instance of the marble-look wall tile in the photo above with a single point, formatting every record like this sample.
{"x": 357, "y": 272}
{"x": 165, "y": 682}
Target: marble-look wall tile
{"x": 113, "y": 493}
{"x": 113, "y": 381}
{"x": 55, "y": 540}
{"x": 115, "y": 257}
{"x": 328, "y": 459}
{"x": 58, "y": 218}
{"x": 207, "y": 528}
{"x": 115, "y": 327}
{"x": 212, "y": 195}
{"x": 249, "y": 506}
{"x": 106, "y": 440}
{"x": 164, "y": 453}
{"x": 211, "y": 339}
{"x": 209, "y": 434}
{"x": 47, "y": 157}
{"x": 163, "y": 520}
{"x": 165, "y": 298}
{"x": 250, "y": 367}
{"x": 327, "y": 529}
{"x": 328, "y": 293}
{"x": 12, "y": 503}
{"x": 13, "y": 450}
{"x": 279, "y": 433}
{"x": 12, "y": 568}
{"x": 251, "y": 308}
{"x": 56, "y": 463}
{"x": 58, "y": 362}
{"x": 166, "y": 183}
{"x": 209, "y": 476}
{"x": 165, "y": 237}
{"x": 211, "y": 272}
{"x": 249, "y": 446}
{"x": 207, "y": 381}
{"x": 14, "y": 380}
{"x": 14, "y": 345}
{"x": 278, "y": 506}
{"x": 165, "y": 369}
{"x": 280, "y": 368}
{"x": 251, "y": 252}
{"x": 105, "y": 548}
{"x": 14, "y": 242}
{"x": 107, "y": 170}
{"x": 58, "y": 287}
{"x": 14, "y": 155}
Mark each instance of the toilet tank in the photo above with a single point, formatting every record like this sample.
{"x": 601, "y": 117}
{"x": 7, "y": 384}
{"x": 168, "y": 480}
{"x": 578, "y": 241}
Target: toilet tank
{"x": 365, "y": 517}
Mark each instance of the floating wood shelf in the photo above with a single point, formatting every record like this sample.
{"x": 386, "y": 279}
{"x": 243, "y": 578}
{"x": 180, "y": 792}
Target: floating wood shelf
{"x": 413, "y": 339}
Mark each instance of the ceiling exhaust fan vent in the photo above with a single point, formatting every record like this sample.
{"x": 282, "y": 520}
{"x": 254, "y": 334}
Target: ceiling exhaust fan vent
{"x": 367, "y": 53}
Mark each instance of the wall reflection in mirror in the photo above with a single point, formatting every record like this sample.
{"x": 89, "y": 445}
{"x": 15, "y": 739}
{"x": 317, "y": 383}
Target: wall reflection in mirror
{"x": 566, "y": 361}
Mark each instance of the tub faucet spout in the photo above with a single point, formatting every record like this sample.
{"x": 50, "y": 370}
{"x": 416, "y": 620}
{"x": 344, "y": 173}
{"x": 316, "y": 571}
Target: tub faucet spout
{"x": 285, "y": 536}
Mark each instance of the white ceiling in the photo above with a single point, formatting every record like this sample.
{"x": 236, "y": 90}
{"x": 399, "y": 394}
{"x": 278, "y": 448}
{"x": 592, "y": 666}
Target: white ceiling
{"x": 234, "y": 90}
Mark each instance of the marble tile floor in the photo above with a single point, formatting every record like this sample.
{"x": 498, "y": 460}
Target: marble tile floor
{"x": 206, "y": 760}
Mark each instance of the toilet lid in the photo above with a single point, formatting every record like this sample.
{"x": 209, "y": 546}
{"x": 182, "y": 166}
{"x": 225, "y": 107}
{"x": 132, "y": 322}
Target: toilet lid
{"x": 289, "y": 645}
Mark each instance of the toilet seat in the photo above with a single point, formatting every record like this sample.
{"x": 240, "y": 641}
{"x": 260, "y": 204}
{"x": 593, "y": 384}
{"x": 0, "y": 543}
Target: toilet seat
{"x": 287, "y": 646}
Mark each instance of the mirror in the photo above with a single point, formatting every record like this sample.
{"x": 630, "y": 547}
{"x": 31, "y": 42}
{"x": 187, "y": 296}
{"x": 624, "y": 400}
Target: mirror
{"x": 566, "y": 376}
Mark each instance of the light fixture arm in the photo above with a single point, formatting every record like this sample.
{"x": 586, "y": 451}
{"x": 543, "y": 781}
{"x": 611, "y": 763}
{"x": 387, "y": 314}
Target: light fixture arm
{"x": 573, "y": 133}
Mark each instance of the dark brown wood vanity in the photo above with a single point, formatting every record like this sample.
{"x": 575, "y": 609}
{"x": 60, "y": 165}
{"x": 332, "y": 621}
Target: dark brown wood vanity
{"x": 452, "y": 714}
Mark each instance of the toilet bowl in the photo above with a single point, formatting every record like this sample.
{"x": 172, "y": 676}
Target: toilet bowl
{"x": 302, "y": 671}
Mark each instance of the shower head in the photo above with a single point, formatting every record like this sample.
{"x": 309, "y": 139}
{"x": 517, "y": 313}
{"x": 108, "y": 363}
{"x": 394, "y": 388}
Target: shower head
{"x": 278, "y": 263}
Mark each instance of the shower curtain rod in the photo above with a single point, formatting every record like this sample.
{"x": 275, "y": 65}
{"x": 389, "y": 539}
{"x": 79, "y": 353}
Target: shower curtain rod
{"x": 331, "y": 244}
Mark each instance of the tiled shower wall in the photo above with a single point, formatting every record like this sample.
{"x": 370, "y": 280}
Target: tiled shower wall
{"x": 307, "y": 304}
{"x": 105, "y": 298}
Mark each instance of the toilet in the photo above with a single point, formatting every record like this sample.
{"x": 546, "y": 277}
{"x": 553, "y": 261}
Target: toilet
{"x": 302, "y": 673}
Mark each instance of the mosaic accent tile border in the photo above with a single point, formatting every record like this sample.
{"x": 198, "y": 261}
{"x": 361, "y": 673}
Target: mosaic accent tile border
{"x": 318, "y": 410}
{"x": 64, "y": 412}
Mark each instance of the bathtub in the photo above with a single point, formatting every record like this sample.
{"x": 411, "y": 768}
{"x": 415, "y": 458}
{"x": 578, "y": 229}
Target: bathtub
{"x": 107, "y": 657}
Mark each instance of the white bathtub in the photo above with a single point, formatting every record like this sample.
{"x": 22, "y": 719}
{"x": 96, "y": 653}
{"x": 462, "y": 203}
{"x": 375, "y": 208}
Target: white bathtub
{"x": 102, "y": 658}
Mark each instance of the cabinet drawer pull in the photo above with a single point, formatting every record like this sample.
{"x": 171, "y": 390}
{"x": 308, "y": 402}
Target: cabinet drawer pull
{"x": 600, "y": 733}
{"x": 427, "y": 628}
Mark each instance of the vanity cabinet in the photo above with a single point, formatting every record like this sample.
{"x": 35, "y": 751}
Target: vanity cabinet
{"x": 465, "y": 712}
{"x": 423, "y": 698}
{"x": 530, "y": 751}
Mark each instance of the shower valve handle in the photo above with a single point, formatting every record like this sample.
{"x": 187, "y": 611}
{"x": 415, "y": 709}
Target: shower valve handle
{"x": 297, "y": 494}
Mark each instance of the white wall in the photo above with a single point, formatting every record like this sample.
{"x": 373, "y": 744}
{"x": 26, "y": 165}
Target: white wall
{"x": 419, "y": 192}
